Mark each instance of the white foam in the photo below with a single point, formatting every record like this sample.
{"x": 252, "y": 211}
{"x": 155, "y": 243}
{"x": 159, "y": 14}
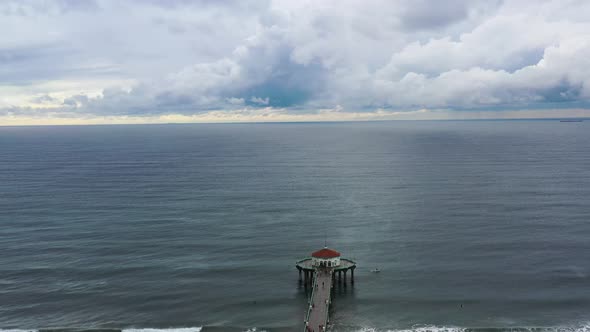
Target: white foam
{"x": 254, "y": 329}
{"x": 580, "y": 328}
{"x": 172, "y": 329}
{"x": 433, "y": 329}
{"x": 428, "y": 328}
{"x": 367, "y": 329}
{"x": 17, "y": 330}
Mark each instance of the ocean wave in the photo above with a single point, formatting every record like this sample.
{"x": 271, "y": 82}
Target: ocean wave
{"x": 336, "y": 328}
{"x": 416, "y": 329}
{"x": 172, "y": 329}
{"x": 433, "y": 328}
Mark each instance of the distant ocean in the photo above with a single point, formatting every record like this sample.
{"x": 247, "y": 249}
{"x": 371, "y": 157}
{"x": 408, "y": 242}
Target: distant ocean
{"x": 475, "y": 225}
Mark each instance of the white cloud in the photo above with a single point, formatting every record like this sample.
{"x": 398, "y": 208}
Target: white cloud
{"x": 235, "y": 101}
{"x": 562, "y": 74}
{"x": 149, "y": 59}
{"x": 260, "y": 101}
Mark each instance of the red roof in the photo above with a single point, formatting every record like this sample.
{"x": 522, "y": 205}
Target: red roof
{"x": 326, "y": 253}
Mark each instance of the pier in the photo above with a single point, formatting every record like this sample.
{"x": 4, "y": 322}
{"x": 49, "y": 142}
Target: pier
{"x": 321, "y": 271}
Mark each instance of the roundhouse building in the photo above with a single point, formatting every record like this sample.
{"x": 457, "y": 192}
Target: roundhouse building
{"x": 326, "y": 258}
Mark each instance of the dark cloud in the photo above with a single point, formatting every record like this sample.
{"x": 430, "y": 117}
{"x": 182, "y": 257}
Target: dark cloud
{"x": 563, "y": 91}
{"x": 77, "y": 100}
{"x": 426, "y": 14}
{"x": 520, "y": 59}
{"x": 289, "y": 84}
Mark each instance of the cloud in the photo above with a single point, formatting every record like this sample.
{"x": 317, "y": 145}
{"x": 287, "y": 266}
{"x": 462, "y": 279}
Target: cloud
{"x": 235, "y": 101}
{"x": 260, "y": 101}
{"x": 76, "y": 101}
{"x": 423, "y": 14}
{"x": 44, "y": 99}
{"x": 561, "y": 75}
{"x": 191, "y": 58}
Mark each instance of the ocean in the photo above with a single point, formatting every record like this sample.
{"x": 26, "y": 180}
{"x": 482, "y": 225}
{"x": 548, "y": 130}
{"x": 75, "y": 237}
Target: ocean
{"x": 475, "y": 225}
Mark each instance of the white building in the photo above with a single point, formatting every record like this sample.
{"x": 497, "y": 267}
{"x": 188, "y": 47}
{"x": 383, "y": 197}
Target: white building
{"x": 326, "y": 258}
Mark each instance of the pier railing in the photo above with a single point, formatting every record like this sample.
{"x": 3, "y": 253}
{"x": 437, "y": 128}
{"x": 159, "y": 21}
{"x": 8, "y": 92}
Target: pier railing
{"x": 313, "y": 287}
{"x": 328, "y": 303}
{"x": 303, "y": 260}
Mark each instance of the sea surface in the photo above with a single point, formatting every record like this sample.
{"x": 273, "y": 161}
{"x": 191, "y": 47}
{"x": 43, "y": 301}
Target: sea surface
{"x": 475, "y": 225}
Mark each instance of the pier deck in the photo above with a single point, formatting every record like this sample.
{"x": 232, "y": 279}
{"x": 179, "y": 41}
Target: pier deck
{"x": 345, "y": 264}
{"x": 317, "y": 317}
{"x": 321, "y": 271}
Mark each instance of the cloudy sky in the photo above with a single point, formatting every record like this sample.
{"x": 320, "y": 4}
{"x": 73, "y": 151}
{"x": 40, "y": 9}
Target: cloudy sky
{"x": 102, "y": 61}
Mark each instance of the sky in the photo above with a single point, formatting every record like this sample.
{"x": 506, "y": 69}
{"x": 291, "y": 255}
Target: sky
{"x": 162, "y": 61}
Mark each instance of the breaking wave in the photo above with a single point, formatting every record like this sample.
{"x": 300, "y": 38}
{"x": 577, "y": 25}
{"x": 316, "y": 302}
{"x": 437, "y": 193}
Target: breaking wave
{"x": 336, "y": 328}
{"x": 172, "y": 329}
{"x": 180, "y": 329}
{"x": 433, "y": 328}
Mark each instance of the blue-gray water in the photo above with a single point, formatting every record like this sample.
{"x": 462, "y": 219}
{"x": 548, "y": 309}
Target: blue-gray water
{"x": 474, "y": 224}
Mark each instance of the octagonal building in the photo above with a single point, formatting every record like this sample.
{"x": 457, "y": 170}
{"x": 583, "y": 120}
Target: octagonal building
{"x": 325, "y": 258}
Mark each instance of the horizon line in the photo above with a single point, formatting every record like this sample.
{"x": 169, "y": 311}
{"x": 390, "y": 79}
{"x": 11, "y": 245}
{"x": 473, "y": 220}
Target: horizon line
{"x": 294, "y": 122}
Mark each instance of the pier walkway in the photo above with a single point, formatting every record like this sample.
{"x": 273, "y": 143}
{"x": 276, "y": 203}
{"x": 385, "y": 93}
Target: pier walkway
{"x": 320, "y": 271}
{"x": 317, "y": 316}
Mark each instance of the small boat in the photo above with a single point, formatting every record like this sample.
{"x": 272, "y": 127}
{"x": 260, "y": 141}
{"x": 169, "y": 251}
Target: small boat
{"x": 375, "y": 270}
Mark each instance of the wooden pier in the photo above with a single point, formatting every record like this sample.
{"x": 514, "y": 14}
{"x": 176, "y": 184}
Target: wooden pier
{"x": 320, "y": 272}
